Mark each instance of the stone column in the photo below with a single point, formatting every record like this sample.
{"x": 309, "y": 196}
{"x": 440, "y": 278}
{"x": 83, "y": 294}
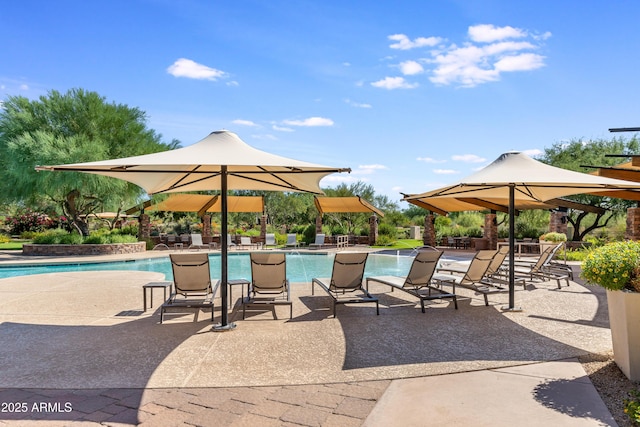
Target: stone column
{"x": 373, "y": 229}
{"x": 144, "y": 230}
{"x": 558, "y": 222}
{"x": 319, "y": 224}
{"x": 429, "y": 234}
{"x": 206, "y": 228}
{"x": 633, "y": 224}
{"x": 263, "y": 228}
{"x": 491, "y": 230}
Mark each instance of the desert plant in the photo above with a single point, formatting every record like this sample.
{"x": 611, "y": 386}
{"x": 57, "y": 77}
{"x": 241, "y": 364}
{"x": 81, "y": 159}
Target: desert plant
{"x": 554, "y": 237}
{"x": 613, "y": 266}
{"x": 632, "y": 406}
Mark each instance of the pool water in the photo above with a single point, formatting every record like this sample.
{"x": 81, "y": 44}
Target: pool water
{"x": 300, "y": 267}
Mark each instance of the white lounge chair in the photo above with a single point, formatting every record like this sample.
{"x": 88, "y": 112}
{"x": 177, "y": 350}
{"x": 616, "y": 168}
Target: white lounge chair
{"x": 245, "y": 242}
{"x": 270, "y": 240}
{"x": 196, "y": 241}
{"x": 292, "y": 240}
{"x": 319, "y": 241}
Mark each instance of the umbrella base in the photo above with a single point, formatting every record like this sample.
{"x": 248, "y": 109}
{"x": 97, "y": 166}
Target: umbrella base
{"x": 223, "y": 328}
{"x": 512, "y": 309}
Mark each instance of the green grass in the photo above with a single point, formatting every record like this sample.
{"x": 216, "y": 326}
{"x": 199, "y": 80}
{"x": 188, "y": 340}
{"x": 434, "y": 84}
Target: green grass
{"x": 403, "y": 244}
{"x": 14, "y": 245}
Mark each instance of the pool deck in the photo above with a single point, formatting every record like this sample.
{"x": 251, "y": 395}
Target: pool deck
{"x": 78, "y": 347}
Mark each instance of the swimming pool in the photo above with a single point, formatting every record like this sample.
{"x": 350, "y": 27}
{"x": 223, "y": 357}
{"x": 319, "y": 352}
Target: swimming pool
{"x": 300, "y": 267}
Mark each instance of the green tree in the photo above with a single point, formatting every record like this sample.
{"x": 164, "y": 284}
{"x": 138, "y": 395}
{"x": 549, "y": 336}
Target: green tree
{"x": 77, "y": 126}
{"x": 350, "y": 221}
{"x": 578, "y": 153}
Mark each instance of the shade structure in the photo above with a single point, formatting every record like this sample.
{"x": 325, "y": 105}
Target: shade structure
{"x": 203, "y": 203}
{"x": 221, "y": 161}
{"x": 354, "y": 204}
{"x": 517, "y": 181}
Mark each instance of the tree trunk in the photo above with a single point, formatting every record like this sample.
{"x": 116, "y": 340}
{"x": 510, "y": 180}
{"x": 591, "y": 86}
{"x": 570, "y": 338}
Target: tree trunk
{"x": 70, "y": 205}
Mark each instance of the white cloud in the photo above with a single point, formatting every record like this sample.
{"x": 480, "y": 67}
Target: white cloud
{"x": 468, "y": 158}
{"x": 24, "y": 87}
{"x": 245, "y": 123}
{"x": 264, "y": 136}
{"x": 357, "y": 104}
{"x": 410, "y": 68}
{"x": 339, "y": 178}
{"x": 310, "y": 122}
{"x": 368, "y": 169}
{"x": 487, "y": 53}
{"x": 281, "y": 128}
{"x": 487, "y": 33}
{"x": 522, "y": 62}
{"x": 192, "y": 70}
{"x": 404, "y": 43}
{"x": 533, "y": 152}
{"x": 429, "y": 160}
{"x": 445, "y": 171}
{"x": 394, "y": 83}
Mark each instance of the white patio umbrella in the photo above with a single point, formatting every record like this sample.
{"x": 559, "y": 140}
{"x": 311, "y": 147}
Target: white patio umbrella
{"x": 519, "y": 182}
{"x": 221, "y": 161}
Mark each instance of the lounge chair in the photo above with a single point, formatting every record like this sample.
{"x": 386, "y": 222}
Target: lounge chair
{"x": 230, "y": 242}
{"x": 475, "y": 276}
{"x": 292, "y": 240}
{"x": 346, "y": 279}
{"x": 192, "y": 287}
{"x": 319, "y": 241}
{"x": 497, "y": 273}
{"x": 270, "y": 240}
{"x": 269, "y": 283}
{"x": 542, "y": 268}
{"x": 418, "y": 280}
{"x": 245, "y": 242}
{"x": 196, "y": 241}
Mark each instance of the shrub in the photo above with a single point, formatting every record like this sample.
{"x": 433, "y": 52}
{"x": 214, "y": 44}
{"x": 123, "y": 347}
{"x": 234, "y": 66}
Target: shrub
{"x": 632, "y": 406}
{"x": 28, "y": 220}
{"x": 554, "y": 237}
{"x": 4, "y": 238}
{"x": 309, "y": 234}
{"x": 388, "y": 230}
{"x": 96, "y": 239}
{"x": 613, "y": 266}
{"x": 70, "y": 239}
{"x": 384, "y": 240}
{"x": 49, "y": 237}
{"x": 121, "y": 238}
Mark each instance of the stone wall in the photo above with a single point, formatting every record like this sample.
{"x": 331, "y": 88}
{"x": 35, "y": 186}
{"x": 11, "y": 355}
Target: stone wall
{"x": 89, "y": 249}
{"x": 633, "y": 224}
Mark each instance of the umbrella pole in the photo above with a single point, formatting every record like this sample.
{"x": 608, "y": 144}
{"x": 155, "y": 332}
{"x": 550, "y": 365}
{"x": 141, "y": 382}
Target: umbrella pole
{"x": 224, "y": 325}
{"x": 512, "y": 245}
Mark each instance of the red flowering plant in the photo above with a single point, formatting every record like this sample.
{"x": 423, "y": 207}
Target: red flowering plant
{"x": 28, "y": 220}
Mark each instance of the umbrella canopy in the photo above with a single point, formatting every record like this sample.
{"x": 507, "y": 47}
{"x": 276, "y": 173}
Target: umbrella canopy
{"x": 202, "y": 203}
{"x": 199, "y": 167}
{"x": 518, "y": 181}
{"x": 354, "y": 204}
{"x": 221, "y": 161}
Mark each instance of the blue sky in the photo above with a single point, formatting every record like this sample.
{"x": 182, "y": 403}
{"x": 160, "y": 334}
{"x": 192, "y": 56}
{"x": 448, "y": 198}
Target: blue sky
{"x": 411, "y": 95}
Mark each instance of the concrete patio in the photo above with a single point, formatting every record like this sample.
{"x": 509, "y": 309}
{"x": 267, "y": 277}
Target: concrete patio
{"x": 84, "y": 337}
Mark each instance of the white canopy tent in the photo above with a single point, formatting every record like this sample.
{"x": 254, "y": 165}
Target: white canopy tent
{"x": 520, "y": 182}
{"x": 221, "y": 161}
